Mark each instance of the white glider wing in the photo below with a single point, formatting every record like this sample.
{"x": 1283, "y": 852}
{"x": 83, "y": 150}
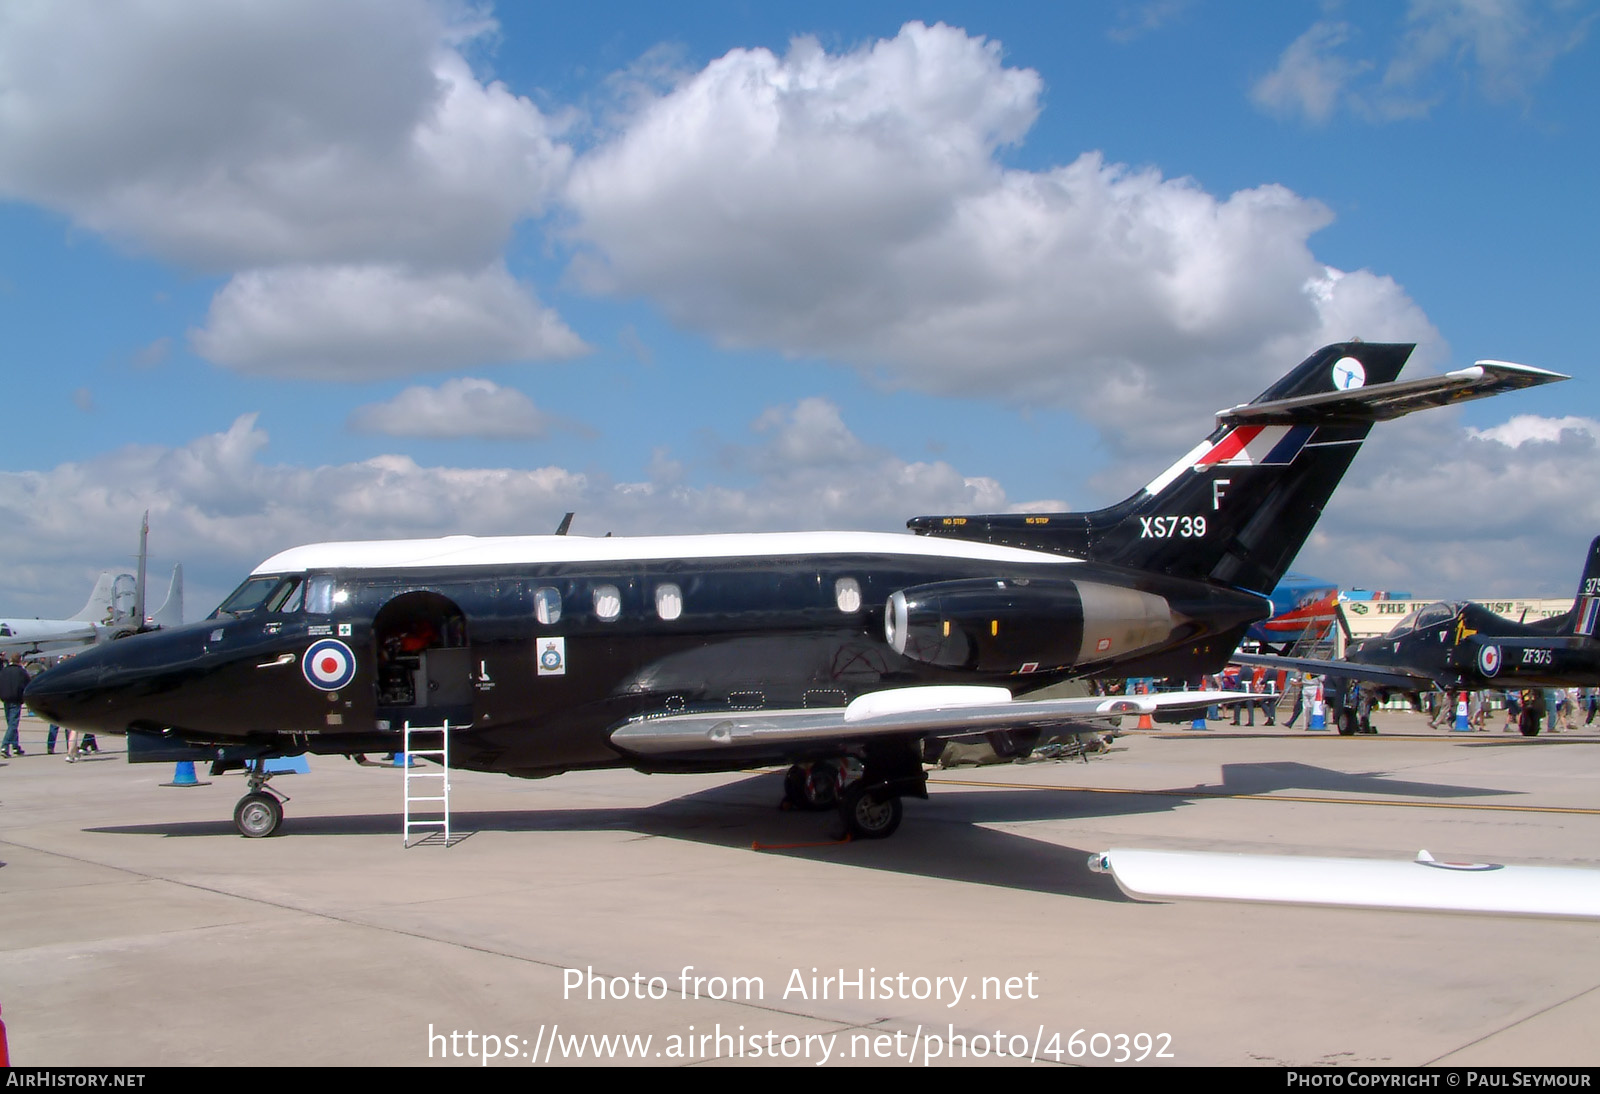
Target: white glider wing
{"x": 1423, "y": 884}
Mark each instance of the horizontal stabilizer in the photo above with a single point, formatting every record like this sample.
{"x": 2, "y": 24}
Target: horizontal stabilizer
{"x": 1383, "y": 402}
{"x": 902, "y": 712}
{"x": 1423, "y": 884}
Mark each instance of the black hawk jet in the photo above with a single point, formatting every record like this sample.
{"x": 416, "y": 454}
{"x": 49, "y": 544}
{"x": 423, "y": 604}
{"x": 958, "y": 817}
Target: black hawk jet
{"x": 1462, "y": 646}
{"x": 838, "y": 653}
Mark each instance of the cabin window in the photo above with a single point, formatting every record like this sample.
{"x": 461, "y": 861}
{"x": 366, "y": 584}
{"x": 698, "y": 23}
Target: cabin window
{"x": 847, "y": 594}
{"x": 547, "y": 605}
{"x": 669, "y": 601}
{"x": 607, "y": 602}
{"x": 322, "y": 595}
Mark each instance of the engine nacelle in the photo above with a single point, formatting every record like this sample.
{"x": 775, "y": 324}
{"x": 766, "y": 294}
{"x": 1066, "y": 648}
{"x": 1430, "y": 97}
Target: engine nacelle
{"x": 1000, "y": 625}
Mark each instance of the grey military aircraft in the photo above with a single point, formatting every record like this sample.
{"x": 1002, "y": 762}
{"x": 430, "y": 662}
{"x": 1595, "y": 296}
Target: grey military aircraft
{"x": 837, "y": 653}
{"x": 115, "y": 610}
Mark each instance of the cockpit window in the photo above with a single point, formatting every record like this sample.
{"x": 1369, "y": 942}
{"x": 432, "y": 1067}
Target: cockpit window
{"x": 286, "y": 599}
{"x": 1434, "y": 614}
{"x": 248, "y": 597}
{"x": 1407, "y": 623}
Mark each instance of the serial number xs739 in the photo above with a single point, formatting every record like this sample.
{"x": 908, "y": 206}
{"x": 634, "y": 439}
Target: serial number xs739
{"x": 1172, "y": 527}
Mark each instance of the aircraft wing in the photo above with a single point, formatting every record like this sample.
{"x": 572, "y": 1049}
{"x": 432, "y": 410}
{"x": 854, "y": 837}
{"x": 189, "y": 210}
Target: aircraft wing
{"x": 948, "y": 711}
{"x": 1423, "y": 884}
{"x": 1386, "y": 676}
{"x": 1381, "y": 402}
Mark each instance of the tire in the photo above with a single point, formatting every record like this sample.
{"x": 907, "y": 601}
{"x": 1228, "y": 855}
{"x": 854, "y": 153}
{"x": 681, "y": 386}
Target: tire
{"x": 258, "y": 815}
{"x": 867, "y": 818}
{"x": 1347, "y": 723}
{"x": 1528, "y": 722}
{"x": 811, "y": 788}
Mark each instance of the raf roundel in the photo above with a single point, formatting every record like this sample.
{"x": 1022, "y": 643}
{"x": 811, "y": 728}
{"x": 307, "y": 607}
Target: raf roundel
{"x": 1489, "y": 660}
{"x": 328, "y": 664}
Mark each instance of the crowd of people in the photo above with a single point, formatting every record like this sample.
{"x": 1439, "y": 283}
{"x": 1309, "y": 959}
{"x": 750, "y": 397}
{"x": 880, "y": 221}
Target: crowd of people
{"x": 14, "y": 678}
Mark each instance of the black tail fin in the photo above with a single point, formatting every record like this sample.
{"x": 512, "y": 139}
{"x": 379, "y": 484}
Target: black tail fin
{"x": 1236, "y": 508}
{"x": 1586, "y": 606}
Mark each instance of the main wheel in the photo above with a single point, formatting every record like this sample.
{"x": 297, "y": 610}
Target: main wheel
{"x": 811, "y": 787}
{"x": 867, "y": 818}
{"x": 1528, "y": 722}
{"x": 258, "y": 815}
{"x": 1347, "y": 722}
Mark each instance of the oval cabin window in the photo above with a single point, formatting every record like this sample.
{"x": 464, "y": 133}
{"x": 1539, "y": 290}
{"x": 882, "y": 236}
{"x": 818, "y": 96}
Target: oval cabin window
{"x": 607, "y": 602}
{"x": 547, "y": 605}
{"x": 669, "y": 601}
{"x": 847, "y": 594}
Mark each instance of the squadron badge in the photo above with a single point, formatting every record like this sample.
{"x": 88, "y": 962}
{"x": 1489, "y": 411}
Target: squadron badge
{"x": 552, "y": 657}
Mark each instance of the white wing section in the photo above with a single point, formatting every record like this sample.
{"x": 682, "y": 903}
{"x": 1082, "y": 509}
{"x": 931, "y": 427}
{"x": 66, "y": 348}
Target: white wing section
{"x": 946, "y": 711}
{"x": 1423, "y": 884}
{"x": 1384, "y": 402}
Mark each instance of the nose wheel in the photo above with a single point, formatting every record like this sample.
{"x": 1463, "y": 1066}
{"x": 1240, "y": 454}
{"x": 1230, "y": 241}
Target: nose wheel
{"x": 259, "y": 812}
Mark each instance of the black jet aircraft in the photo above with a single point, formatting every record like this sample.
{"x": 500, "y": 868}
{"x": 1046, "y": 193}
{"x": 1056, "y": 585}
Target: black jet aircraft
{"x": 838, "y": 653}
{"x": 1462, "y": 646}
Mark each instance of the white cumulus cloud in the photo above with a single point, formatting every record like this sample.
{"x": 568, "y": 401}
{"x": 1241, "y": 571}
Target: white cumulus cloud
{"x": 219, "y": 507}
{"x": 369, "y": 322}
{"x": 853, "y": 206}
{"x": 298, "y": 145}
{"x": 464, "y": 407}
{"x": 1500, "y": 49}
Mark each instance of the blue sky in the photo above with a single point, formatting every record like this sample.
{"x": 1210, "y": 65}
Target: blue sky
{"x": 321, "y": 271}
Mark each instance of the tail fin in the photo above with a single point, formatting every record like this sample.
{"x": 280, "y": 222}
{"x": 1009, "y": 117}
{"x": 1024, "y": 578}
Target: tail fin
{"x": 170, "y": 614}
{"x": 1586, "y": 606}
{"x": 101, "y": 607}
{"x": 1236, "y": 508}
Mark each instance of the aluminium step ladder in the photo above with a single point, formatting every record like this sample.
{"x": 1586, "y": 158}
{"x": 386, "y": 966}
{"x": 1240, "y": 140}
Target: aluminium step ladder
{"x": 423, "y": 809}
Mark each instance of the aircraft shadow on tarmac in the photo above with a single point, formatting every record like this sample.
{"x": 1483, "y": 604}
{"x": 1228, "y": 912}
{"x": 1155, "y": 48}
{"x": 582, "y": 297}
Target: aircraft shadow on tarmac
{"x": 948, "y": 837}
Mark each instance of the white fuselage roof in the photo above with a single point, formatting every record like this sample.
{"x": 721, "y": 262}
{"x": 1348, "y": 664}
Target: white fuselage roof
{"x": 406, "y": 554}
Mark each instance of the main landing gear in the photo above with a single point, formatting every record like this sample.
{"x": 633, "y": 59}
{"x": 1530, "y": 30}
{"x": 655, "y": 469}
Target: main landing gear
{"x": 866, "y": 791}
{"x": 259, "y": 812}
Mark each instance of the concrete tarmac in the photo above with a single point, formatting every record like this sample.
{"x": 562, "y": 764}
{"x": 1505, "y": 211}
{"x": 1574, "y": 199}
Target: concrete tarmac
{"x": 137, "y": 927}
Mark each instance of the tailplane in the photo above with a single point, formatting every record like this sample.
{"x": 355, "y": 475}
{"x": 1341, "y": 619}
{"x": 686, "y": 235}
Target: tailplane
{"x": 1236, "y": 508}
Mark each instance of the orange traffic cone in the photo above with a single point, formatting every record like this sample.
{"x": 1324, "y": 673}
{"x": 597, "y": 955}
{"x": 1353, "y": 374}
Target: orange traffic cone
{"x": 1144, "y": 717}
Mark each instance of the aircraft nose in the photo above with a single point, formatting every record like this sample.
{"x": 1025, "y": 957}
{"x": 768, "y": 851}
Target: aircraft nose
{"x": 57, "y": 695}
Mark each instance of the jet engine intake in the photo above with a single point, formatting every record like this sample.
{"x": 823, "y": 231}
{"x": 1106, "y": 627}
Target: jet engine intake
{"x": 1004, "y": 625}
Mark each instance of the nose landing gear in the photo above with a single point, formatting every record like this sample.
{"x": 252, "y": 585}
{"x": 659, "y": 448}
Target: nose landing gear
{"x": 260, "y": 812}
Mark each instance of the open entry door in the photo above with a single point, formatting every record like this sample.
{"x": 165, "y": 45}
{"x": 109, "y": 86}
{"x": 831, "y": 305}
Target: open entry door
{"x": 424, "y": 661}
